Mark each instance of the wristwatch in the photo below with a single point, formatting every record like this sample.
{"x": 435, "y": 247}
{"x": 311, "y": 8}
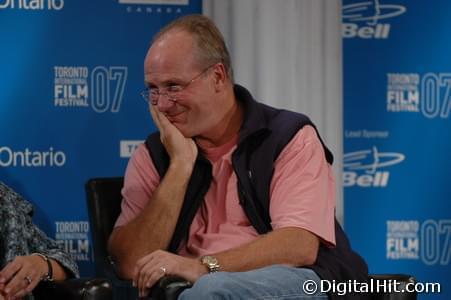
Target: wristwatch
{"x": 211, "y": 263}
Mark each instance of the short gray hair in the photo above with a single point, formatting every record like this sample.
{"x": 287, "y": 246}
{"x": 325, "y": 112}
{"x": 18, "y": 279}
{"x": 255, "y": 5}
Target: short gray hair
{"x": 209, "y": 41}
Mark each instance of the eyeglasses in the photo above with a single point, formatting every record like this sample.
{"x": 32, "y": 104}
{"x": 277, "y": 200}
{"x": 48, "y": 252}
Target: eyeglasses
{"x": 172, "y": 92}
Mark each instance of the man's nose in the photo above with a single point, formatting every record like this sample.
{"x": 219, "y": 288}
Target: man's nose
{"x": 164, "y": 102}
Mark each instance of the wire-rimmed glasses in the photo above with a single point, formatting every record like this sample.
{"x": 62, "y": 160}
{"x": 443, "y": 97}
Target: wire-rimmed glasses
{"x": 172, "y": 92}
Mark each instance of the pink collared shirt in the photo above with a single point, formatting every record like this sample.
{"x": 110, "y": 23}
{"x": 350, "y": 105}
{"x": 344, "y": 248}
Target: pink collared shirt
{"x": 302, "y": 194}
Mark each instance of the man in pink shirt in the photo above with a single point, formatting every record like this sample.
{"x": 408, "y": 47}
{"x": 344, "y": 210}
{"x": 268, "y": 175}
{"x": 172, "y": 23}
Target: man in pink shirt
{"x": 188, "y": 208}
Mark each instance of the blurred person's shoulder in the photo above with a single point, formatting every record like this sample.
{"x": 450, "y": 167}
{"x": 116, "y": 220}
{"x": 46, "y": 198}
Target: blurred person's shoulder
{"x": 12, "y": 201}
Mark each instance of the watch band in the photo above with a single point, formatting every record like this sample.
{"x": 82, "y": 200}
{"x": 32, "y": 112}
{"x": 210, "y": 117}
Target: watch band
{"x": 49, "y": 275}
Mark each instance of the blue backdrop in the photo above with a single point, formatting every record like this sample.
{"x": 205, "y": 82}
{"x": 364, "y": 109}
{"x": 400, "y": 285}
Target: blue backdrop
{"x": 70, "y": 77}
{"x": 397, "y": 106}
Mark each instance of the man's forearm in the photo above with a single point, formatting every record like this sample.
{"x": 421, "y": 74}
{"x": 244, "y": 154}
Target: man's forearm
{"x": 154, "y": 227}
{"x": 290, "y": 246}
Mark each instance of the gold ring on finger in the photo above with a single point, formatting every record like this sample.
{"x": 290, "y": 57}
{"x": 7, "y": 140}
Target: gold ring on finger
{"x": 163, "y": 269}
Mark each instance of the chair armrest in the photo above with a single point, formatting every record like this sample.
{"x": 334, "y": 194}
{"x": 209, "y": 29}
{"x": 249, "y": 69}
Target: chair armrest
{"x": 390, "y": 293}
{"x": 74, "y": 289}
{"x": 169, "y": 288}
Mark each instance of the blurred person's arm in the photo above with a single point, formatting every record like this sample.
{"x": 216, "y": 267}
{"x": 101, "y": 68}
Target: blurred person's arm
{"x": 21, "y": 270}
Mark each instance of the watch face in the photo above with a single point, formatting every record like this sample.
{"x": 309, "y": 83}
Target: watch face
{"x": 211, "y": 262}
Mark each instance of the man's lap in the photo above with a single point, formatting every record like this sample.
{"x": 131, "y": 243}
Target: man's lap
{"x": 273, "y": 282}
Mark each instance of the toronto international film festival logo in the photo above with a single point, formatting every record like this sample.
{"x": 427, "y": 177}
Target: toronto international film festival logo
{"x": 72, "y": 236}
{"x": 101, "y": 88}
{"x": 428, "y": 241}
{"x": 428, "y": 94}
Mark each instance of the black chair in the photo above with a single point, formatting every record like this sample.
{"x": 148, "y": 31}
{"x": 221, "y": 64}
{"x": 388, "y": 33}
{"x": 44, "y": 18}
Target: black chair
{"x": 390, "y": 279}
{"x": 104, "y": 200}
{"x": 74, "y": 289}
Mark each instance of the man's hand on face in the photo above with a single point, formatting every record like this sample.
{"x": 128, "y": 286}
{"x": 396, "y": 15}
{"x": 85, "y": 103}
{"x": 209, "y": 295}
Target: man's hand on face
{"x": 180, "y": 148}
{"x": 149, "y": 269}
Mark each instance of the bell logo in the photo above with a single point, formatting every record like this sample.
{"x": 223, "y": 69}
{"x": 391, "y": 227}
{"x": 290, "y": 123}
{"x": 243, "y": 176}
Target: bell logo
{"x": 379, "y": 179}
{"x": 368, "y": 161}
{"x": 360, "y": 20}
{"x": 350, "y": 30}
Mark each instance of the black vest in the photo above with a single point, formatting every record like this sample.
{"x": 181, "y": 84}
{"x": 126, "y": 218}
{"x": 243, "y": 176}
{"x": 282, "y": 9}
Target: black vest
{"x": 264, "y": 133}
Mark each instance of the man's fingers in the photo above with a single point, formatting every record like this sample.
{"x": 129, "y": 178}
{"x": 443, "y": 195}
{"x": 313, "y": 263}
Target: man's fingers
{"x": 141, "y": 281}
{"x": 155, "y": 116}
{"x": 162, "y": 121}
{"x": 148, "y": 278}
{"x": 140, "y": 264}
{"x": 145, "y": 273}
{"x": 159, "y": 118}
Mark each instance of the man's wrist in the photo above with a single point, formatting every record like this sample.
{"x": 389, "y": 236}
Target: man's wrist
{"x": 203, "y": 269}
{"x": 183, "y": 166}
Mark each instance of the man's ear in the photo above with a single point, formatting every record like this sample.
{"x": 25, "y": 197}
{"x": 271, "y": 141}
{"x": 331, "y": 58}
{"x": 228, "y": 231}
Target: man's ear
{"x": 219, "y": 76}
